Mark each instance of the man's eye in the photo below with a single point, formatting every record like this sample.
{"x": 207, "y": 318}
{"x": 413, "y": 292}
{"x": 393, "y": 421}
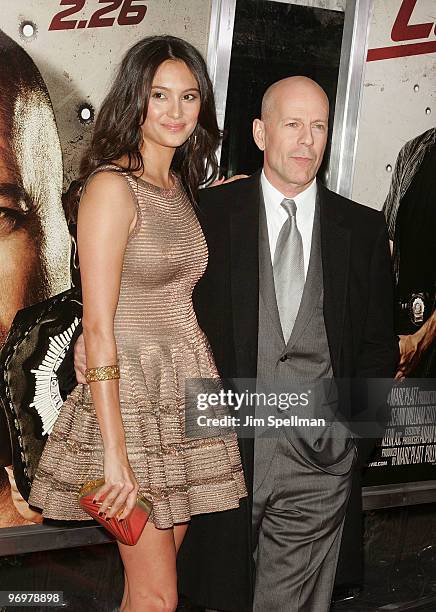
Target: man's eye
{"x": 10, "y": 220}
{"x": 319, "y": 126}
{"x": 291, "y": 124}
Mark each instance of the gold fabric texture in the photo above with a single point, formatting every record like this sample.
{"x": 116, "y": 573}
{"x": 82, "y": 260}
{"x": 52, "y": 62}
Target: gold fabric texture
{"x": 160, "y": 345}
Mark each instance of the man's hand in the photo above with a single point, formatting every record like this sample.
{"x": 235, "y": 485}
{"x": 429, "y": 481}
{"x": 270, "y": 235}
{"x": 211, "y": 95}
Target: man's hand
{"x": 80, "y": 360}
{"x": 19, "y": 502}
{"x": 410, "y": 354}
{"x": 414, "y": 345}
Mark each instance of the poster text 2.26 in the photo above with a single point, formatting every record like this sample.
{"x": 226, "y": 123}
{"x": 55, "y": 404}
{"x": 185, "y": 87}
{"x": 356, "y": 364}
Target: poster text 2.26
{"x": 125, "y": 12}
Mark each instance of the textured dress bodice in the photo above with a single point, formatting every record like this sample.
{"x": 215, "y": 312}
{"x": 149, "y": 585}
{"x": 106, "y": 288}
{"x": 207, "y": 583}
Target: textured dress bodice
{"x": 165, "y": 257}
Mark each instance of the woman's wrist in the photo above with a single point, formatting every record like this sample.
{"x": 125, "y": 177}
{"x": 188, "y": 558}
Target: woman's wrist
{"x": 109, "y": 372}
{"x": 116, "y": 449}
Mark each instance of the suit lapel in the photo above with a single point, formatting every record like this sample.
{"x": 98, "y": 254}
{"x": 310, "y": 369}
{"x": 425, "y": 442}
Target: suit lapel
{"x": 335, "y": 252}
{"x": 244, "y": 271}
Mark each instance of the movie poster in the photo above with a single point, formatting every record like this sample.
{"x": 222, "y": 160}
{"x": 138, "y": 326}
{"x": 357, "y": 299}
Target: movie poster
{"x": 395, "y": 155}
{"x": 56, "y": 62}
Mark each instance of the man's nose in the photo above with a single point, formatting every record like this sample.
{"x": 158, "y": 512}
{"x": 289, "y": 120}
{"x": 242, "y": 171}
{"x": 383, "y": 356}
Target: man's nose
{"x": 306, "y": 136}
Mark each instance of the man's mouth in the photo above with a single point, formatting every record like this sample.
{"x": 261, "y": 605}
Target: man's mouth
{"x": 302, "y": 160}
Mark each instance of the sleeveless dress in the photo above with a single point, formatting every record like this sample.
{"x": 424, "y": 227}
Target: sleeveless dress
{"x": 160, "y": 345}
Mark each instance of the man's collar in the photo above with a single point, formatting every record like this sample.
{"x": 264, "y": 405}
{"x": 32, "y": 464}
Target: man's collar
{"x": 305, "y": 201}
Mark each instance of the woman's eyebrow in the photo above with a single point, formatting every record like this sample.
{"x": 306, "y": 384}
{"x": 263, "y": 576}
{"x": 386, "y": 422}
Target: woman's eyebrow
{"x": 167, "y": 88}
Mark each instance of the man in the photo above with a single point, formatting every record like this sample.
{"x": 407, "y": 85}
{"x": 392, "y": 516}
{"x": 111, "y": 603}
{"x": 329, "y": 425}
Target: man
{"x": 343, "y": 328}
{"x": 297, "y": 289}
{"x": 411, "y": 217}
{"x": 34, "y": 238}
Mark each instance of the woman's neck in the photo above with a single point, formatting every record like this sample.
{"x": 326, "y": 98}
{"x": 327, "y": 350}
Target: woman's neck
{"x": 157, "y": 163}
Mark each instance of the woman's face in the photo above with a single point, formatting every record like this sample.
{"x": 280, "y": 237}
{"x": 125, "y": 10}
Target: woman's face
{"x": 173, "y": 107}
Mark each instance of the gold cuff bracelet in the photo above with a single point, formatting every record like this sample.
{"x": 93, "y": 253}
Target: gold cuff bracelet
{"x": 102, "y": 373}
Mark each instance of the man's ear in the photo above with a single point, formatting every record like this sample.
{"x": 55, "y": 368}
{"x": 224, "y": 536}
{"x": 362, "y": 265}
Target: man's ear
{"x": 259, "y": 133}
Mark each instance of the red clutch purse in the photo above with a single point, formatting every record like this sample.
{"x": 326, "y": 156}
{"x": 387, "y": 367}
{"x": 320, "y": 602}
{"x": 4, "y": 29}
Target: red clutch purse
{"x": 126, "y": 531}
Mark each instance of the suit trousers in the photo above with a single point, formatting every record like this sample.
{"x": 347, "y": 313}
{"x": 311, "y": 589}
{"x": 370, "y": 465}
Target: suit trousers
{"x": 298, "y": 517}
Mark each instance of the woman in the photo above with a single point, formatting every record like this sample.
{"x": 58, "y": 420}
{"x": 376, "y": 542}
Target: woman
{"x": 141, "y": 252}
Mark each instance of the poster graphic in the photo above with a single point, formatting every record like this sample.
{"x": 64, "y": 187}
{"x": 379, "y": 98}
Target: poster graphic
{"x": 56, "y": 62}
{"x": 407, "y": 451}
{"x": 399, "y": 94}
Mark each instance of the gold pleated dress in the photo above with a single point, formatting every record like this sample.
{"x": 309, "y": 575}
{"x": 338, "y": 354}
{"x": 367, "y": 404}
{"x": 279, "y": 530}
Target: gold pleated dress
{"x": 160, "y": 345}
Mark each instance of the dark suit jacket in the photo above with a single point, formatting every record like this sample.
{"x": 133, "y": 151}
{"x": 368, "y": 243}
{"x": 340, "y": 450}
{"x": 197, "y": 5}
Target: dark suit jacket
{"x": 215, "y": 567}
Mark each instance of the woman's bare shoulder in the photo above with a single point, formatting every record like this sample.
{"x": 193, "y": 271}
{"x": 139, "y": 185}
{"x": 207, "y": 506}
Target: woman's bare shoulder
{"x": 108, "y": 187}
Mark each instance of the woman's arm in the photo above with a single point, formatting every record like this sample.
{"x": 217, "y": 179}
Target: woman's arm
{"x": 106, "y": 216}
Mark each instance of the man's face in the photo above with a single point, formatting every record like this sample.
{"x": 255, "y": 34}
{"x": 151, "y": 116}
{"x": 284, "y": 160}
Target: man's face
{"x": 293, "y": 134}
{"x": 34, "y": 239}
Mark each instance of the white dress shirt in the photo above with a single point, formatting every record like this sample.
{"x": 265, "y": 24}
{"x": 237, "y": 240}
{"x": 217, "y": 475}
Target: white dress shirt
{"x": 276, "y": 215}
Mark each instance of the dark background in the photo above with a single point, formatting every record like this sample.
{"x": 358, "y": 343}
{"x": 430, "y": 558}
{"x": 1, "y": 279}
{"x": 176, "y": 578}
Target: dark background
{"x": 271, "y": 41}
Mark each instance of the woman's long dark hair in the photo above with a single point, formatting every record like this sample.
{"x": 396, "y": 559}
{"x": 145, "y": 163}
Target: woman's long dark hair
{"x": 117, "y": 129}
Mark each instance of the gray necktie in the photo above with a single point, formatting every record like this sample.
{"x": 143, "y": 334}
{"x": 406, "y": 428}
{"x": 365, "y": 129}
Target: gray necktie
{"x": 288, "y": 268}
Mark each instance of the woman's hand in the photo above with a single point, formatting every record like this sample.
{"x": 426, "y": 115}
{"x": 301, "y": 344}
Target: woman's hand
{"x": 222, "y": 180}
{"x": 120, "y": 489}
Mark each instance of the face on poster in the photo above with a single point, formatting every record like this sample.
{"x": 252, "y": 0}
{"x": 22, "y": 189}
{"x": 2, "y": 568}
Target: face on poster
{"x": 56, "y": 63}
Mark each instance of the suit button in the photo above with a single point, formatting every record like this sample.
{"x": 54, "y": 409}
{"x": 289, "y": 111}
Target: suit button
{"x": 283, "y": 358}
